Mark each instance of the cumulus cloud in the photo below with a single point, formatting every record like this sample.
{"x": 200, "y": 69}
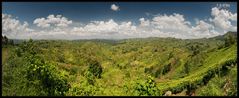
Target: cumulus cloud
{"x": 52, "y": 20}
{"x": 144, "y": 22}
{"x": 11, "y": 27}
{"x": 171, "y": 23}
{"x": 114, "y": 7}
{"x": 174, "y": 25}
{"x": 108, "y": 28}
{"x": 222, "y": 19}
{"x": 203, "y": 29}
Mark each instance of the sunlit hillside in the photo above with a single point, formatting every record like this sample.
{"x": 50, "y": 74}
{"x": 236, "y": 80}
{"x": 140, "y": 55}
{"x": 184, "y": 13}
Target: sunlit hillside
{"x": 130, "y": 67}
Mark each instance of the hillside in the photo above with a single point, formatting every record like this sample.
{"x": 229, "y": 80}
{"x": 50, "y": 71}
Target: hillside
{"x": 129, "y": 67}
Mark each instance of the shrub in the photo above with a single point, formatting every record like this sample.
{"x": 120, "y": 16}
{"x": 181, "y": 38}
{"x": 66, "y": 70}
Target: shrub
{"x": 186, "y": 67}
{"x": 147, "y": 88}
{"x": 166, "y": 68}
{"x": 95, "y": 68}
{"x": 83, "y": 89}
{"x": 41, "y": 74}
{"x": 229, "y": 39}
{"x": 45, "y": 76}
{"x": 61, "y": 58}
{"x": 74, "y": 70}
{"x": 90, "y": 77}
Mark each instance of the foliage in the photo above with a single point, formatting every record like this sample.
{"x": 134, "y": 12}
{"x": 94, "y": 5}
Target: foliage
{"x": 83, "y": 89}
{"x": 229, "y": 39}
{"x": 46, "y": 77}
{"x": 186, "y": 67}
{"x": 96, "y": 67}
{"x": 147, "y": 88}
{"x": 40, "y": 73}
{"x": 6, "y": 41}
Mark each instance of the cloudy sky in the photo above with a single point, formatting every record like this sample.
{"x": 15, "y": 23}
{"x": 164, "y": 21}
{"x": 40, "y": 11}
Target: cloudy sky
{"x": 117, "y": 20}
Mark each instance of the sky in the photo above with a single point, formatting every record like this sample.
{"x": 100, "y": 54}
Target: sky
{"x": 117, "y": 20}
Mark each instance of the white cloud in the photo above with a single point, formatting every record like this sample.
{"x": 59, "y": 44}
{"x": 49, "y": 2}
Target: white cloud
{"x": 203, "y": 29}
{"x": 108, "y": 28}
{"x": 222, "y": 20}
{"x": 101, "y": 26}
{"x": 11, "y": 27}
{"x": 175, "y": 25}
{"x": 171, "y": 23}
{"x": 144, "y": 22}
{"x": 114, "y": 7}
{"x": 52, "y": 20}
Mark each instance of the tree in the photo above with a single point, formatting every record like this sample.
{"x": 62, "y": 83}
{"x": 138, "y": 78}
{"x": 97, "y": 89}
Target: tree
{"x": 170, "y": 55}
{"x": 186, "y": 67}
{"x": 194, "y": 48}
{"x": 11, "y": 42}
{"x": 4, "y": 40}
{"x": 94, "y": 71}
{"x": 147, "y": 88}
{"x": 166, "y": 68}
{"x": 95, "y": 68}
{"x": 45, "y": 77}
{"x": 229, "y": 39}
{"x": 42, "y": 74}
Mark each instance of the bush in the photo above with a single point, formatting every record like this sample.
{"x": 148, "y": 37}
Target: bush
{"x": 83, "y": 89}
{"x": 45, "y": 76}
{"x": 166, "y": 68}
{"x": 95, "y": 68}
{"x": 74, "y": 70}
{"x": 61, "y": 58}
{"x": 90, "y": 77}
{"x": 14, "y": 81}
{"x": 147, "y": 88}
{"x": 186, "y": 67}
{"x": 229, "y": 39}
{"x": 210, "y": 90}
{"x": 94, "y": 71}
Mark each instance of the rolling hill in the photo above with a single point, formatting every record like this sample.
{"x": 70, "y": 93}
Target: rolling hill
{"x": 129, "y": 67}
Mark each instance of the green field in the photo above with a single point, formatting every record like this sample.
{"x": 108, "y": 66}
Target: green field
{"x": 130, "y": 67}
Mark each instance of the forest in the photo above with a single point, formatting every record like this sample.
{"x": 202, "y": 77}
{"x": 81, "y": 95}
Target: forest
{"x": 129, "y": 67}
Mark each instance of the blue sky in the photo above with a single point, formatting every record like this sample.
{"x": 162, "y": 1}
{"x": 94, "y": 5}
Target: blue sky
{"x": 85, "y": 12}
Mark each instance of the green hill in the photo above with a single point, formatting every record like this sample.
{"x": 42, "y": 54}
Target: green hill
{"x": 128, "y": 67}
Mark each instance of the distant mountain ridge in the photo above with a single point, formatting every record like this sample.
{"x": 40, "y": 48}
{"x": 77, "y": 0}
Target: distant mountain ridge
{"x": 219, "y": 37}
